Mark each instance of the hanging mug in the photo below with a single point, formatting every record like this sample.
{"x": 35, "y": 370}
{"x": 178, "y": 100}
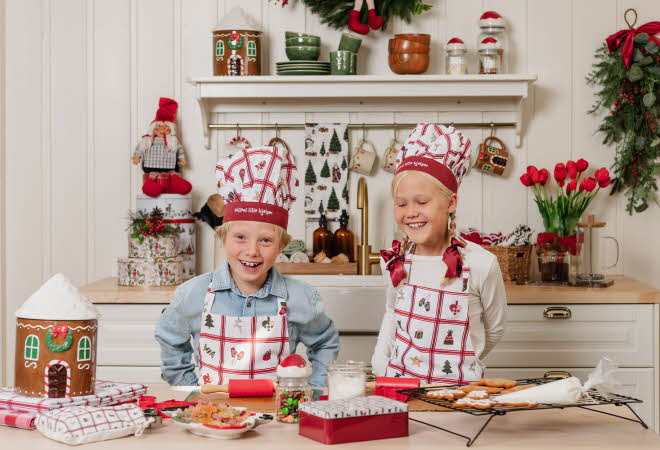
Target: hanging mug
{"x": 493, "y": 156}
{"x": 364, "y": 159}
{"x": 391, "y": 153}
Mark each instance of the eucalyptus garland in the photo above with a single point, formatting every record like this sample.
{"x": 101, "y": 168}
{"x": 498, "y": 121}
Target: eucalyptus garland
{"x": 630, "y": 90}
{"x": 334, "y": 13}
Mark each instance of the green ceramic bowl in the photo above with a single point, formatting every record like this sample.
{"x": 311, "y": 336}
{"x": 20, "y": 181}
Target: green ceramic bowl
{"x": 303, "y": 53}
{"x": 310, "y": 41}
{"x": 292, "y": 34}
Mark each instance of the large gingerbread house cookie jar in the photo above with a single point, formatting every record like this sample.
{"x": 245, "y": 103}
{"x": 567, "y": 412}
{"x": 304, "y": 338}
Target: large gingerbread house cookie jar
{"x": 56, "y": 342}
{"x": 236, "y": 45}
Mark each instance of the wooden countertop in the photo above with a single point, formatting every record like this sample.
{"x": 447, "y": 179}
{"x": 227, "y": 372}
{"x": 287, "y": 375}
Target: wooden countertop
{"x": 624, "y": 290}
{"x": 545, "y": 429}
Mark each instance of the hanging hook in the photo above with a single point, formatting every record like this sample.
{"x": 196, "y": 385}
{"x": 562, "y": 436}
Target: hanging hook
{"x": 364, "y": 131}
{"x": 277, "y": 131}
{"x": 238, "y": 130}
{"x": 625, "y": 17}
{"x": 396, "y": 131}
{"x": 492, "y": 129}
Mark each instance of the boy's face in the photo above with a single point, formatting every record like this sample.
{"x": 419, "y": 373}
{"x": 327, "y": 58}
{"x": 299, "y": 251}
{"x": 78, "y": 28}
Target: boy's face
{"x": 251, "y": 248}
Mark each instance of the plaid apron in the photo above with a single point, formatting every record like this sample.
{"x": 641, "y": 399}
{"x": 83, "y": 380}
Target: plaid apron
{"x": 159, "y": 156}
{"x": 241, "y": 347}
{"x": 433, "y": 333}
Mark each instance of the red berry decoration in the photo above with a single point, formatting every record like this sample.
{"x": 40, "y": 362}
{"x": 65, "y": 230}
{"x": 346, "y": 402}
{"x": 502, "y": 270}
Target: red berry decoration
{"x": 267, "y": 355}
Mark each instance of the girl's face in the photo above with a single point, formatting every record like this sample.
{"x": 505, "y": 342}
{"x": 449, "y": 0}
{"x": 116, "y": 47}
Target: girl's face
{"x": 421, "y": 210}
{"x": 251, "y": 248}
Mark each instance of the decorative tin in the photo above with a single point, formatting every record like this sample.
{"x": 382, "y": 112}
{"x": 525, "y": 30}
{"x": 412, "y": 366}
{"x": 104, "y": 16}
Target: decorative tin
{"x": 236, "y": 46}
{"x": 150, "y": 272}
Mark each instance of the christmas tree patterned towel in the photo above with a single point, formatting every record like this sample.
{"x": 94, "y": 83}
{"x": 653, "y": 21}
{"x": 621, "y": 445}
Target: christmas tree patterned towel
{"x": 326, "y": 169}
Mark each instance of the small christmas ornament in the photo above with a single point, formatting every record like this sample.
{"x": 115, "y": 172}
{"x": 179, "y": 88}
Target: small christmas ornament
{"x": 449, "y": 339}
{"x": 493, "y": 156}
{"x": 161, "y": 154}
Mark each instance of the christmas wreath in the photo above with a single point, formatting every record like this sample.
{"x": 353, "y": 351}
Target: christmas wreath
{"x": 58, "y": 348}
{"x": 335, "y": 13}
{"x": 627, "y": 71}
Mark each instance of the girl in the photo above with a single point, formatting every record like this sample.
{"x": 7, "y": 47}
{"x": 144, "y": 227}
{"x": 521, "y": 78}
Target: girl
{"x": 245, "y": 317}
{"x": 446, "y": 300}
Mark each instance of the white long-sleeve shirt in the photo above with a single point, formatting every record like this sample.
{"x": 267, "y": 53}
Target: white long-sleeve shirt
{"x": 487, "y": 301}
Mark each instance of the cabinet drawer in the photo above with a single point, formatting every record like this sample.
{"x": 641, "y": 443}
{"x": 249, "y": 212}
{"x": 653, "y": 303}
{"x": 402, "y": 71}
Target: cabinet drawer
{"x": 126, "y": 335}
{"x": 621, "y": 332}
{"x": 354, "y": 308}
{"x": 636, "y": 383}
{"x": 127, "y": 374}
{"x": 356, "y": 348}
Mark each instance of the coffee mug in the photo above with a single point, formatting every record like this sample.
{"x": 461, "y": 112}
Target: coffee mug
{"x": 349, "y": 42}
{"x": 391, "y": 153}
{"x": 365, "y": 157}
{"x": 343, "y": 62}
{"x": 493, "y": 156}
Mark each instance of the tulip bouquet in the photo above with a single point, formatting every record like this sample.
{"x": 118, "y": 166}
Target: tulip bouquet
{"x": 576, "y": 191}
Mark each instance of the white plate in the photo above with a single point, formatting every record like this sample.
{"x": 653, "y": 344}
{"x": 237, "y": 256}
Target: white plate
{"x": 225, "y": 433}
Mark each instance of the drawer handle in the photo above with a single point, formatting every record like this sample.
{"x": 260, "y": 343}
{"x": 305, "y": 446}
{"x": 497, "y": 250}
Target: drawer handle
{"x": 558, "y": 374}
{"x": 557, "y": 312}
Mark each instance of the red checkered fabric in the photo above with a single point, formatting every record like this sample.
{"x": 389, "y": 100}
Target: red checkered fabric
{"x": 444, "y": 145}
{"x": 17, "y": 419}
{"x": 107, "y": 393}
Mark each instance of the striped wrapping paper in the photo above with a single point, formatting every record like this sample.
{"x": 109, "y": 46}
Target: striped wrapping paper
{"x": 107, "y": 393}
{"x": 17, "y": 419}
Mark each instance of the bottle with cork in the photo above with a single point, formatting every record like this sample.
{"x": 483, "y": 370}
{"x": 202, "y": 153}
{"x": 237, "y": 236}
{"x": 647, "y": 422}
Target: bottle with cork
{"x": 323, "y": 239}
{"x": 344, "y": 241}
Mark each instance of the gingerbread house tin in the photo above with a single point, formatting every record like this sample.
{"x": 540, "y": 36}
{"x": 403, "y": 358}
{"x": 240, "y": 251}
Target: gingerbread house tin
{"x": 56, "y": 331}
{"x": 236, "y": 45}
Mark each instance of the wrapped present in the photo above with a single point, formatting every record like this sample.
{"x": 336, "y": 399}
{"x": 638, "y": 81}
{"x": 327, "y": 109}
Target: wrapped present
{"x": 152, "y": 247}
{"x": 150, "y": 272}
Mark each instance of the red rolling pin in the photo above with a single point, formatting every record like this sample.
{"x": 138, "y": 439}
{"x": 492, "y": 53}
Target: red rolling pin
{"x": 387, "y": 387}
{"x": 243, "y": 388}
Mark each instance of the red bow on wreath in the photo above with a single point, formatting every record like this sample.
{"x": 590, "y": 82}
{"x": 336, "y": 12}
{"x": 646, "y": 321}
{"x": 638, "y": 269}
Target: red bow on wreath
{"x": 626, "y": 37}
{"x": 63, "y": 330}
{"x": 394, "y": 262}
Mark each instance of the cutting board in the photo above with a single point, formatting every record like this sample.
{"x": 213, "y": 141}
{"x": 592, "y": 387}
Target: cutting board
{"x": 267, "y": 404}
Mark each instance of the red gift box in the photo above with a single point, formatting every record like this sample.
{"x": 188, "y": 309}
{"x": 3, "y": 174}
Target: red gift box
{"x": 353, "y": 420}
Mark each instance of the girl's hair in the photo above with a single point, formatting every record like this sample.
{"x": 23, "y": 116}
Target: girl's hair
{"x": 283, "y": 237}
{"x": 452, "y": 216}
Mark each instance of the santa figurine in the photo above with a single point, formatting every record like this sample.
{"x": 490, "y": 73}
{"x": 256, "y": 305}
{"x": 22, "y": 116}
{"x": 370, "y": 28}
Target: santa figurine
{"x": 161, "y": 154}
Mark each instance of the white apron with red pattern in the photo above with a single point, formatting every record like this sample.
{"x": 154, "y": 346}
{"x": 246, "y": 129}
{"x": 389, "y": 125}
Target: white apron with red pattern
{"x": 241, "y": 347}
{"x": 433, "y": 333}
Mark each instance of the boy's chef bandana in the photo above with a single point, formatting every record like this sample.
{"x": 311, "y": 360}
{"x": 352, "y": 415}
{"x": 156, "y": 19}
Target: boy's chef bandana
{"x": 258, "y": 184}
{"x": 442, "y": 152}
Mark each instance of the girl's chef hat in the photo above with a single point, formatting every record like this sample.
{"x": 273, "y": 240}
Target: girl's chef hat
{"x": 258, "y": 184}
{"x": 442, "y": 152}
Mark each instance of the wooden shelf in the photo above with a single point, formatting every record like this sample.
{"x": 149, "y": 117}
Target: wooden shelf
{"x": 317, "y": 269}
{"x": 362, "y": 92}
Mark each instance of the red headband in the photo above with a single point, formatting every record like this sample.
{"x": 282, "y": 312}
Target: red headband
{"x": 434, "y": 168}
{"x": 256, "y": 212}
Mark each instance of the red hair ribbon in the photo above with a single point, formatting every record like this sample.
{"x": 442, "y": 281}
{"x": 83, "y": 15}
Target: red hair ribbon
{"x": 452, "y": 258}
{"x": 626, "y": 37}
{"x": 394, "y": 263}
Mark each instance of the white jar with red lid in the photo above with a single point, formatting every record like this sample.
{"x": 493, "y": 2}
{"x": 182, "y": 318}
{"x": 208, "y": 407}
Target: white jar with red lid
{"x": 456, "y": 61}
{"x": 493, "y": 26}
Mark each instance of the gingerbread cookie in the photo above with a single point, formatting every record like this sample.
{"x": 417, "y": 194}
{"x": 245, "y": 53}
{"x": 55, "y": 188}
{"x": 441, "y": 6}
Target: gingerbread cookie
{"x": 472, "y": 403}
{"x": 519, "y": 404}
{"x": 499, "y": 383}
{"x": 520, "y": 387}
{"x": 472, "y": 387}
{"x": 446, "y": 394}
{"x": 478, "y": 395}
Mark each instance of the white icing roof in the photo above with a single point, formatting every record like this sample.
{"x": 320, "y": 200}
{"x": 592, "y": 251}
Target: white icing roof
{"x": 237, "y": 19}
{"x": 57, "y": 299}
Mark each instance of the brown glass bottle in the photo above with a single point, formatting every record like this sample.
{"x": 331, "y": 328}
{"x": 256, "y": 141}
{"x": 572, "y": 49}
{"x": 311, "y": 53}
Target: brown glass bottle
{"x": 323, "y": 239}
{"x": 344, "y": 238}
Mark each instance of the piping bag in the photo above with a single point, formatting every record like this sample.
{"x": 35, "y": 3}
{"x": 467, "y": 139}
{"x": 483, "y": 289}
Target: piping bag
{"x": 568, "y": 390}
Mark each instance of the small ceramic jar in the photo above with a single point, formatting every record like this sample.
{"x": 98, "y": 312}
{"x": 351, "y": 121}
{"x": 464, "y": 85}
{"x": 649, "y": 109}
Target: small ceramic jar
{"x": 492, "y": 25}
{"x": 456, "y": 61}
{"x": 490, "y": 57}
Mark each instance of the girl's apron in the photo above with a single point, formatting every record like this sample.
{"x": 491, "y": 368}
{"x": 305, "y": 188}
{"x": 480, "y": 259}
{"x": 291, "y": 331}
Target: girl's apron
{"x": 433, "y": 332}
{"x": 241, "y": 347}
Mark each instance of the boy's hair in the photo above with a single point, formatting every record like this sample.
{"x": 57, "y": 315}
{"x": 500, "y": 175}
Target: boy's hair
{"x": 284, "y": 237}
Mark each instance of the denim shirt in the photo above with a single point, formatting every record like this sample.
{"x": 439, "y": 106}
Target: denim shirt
{"x": 307, "y": 322}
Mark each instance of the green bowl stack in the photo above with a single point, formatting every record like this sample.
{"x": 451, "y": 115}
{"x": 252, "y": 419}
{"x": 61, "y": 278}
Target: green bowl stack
{"x": 303, "y": 51}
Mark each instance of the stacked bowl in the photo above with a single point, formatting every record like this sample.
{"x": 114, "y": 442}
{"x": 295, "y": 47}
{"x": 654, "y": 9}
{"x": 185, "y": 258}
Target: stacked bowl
{"x": 409, "y": 53}
{"x": 303, "y": 50}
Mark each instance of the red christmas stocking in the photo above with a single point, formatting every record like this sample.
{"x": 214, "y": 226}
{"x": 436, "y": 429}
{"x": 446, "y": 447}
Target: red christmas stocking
{"x": 375, "y": 21}
{"x": 178, "y": 185}
{"x": 354, "y": 23}
{"x": 151, "y": 187}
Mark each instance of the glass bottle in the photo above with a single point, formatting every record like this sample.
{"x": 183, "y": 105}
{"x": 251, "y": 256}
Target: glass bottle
{"x": 492, "y": 25}
{"x": 456, "y": 62}
{"x": 289, "y": 393}
{"x": 490, "y": 59}
{"x": 323, "y": 238}
{"x": 343, "y": 238}
{"x": 346, "y": 379}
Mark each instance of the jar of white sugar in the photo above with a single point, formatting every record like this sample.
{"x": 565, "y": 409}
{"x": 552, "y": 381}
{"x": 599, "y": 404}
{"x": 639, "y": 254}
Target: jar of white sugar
{"x": 346, "y": 379}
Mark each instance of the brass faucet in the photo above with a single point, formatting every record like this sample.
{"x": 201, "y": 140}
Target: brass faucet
{"x": 365, "y": 257}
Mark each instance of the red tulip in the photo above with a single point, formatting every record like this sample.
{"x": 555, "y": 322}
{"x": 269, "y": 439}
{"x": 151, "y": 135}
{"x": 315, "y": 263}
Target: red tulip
{"x": 603, "y": 177}
{"x": 543, "y": 176}
{"x": 533, "y": 173}
{"x": 560, "y": 174}
{"x": 526, "y": 179}
{"x": 581, "y": 165}
{"x": 588, "y": 184}
{"x": 571, "y": 167}
{"x": 571, "y": 186}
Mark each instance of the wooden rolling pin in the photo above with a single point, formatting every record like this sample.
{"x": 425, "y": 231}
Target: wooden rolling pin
{"x": 243, "y": 388}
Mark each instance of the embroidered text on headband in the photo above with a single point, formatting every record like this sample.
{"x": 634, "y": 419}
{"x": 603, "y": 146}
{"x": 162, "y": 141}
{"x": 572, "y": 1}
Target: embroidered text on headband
{"x": 256, "y": 212}
{"x": 432, "y": 167}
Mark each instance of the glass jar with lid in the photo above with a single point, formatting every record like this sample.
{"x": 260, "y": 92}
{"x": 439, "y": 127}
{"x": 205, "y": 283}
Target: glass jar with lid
{"x": 346, "y": 379}
{"x": 289, "y": 394}
{"x": 456, "y": 62}
{"x": 490, "y": 57}
{"x": 492, "y": 25}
